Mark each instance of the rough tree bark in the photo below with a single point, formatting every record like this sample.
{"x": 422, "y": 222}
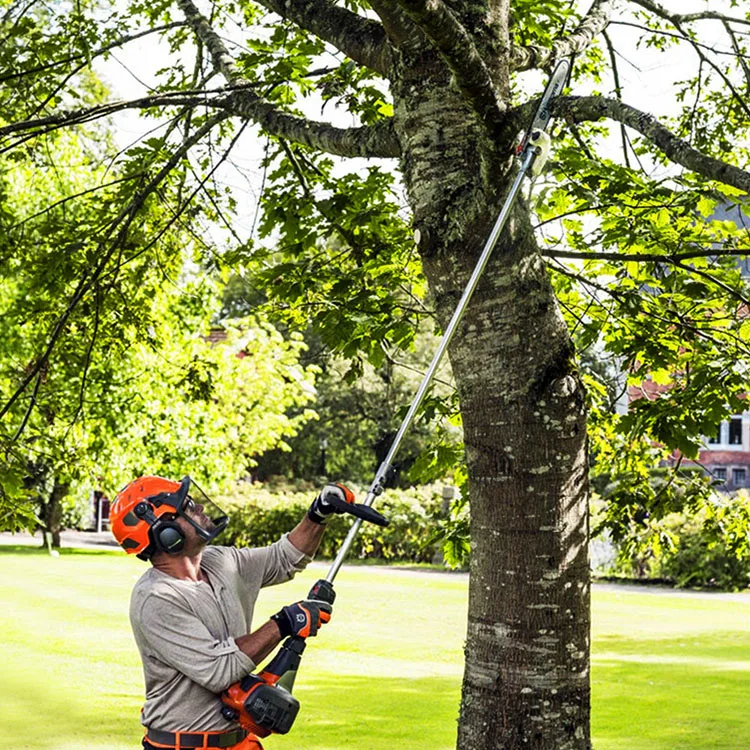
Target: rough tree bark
{"x": 526, "y": 681}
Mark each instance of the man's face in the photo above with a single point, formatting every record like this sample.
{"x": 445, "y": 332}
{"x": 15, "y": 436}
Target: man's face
{"x": 193, "y": 541}
{"x": 194, "y": 511}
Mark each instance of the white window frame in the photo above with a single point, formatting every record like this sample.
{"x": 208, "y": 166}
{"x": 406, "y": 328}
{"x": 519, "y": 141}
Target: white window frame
{"x": 715, "y": 473}
{"x": 724, "y": 444}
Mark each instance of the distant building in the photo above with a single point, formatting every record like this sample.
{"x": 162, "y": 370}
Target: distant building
{"x": 727, "y": 454}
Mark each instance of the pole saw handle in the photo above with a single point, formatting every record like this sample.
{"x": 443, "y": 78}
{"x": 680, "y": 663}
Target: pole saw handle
{"x": 365, "y": 512}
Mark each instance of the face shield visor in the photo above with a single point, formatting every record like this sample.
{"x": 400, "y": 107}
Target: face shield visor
{"x": 191, "y": 503}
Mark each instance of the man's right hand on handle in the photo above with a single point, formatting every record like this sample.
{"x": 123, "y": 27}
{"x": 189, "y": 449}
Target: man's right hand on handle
{"x": 302, "y": 618}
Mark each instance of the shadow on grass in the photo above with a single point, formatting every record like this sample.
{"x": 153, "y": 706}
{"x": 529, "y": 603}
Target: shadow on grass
{"x": 374, "y": 713}
{"x": 688, "y": 692}
{"x": 45, "y": 715}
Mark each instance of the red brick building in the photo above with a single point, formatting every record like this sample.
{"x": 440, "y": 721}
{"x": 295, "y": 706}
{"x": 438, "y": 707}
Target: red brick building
{"x": 725, "y": 455}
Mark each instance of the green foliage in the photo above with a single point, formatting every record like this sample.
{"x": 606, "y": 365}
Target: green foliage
{"x": 358, "y": 420}
{"x": 649, "y": 299}
{"x": 453, "y": 532}
{"x": 342, "y": 261}
{"x": 335, "y": 254}
{"x": 712, "y": 550}
{"x": 105, "y": 369}
{"x": 705, "y": 549}
{"x": 540, "y": 22}
{"x": 261, "y": 518}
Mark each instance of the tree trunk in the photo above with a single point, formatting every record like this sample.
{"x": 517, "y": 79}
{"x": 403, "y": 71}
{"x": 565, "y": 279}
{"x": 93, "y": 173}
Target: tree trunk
{"x": 52, "y": 513}
{"x": 527, "y": 657}
{"x": 526, "y": 680}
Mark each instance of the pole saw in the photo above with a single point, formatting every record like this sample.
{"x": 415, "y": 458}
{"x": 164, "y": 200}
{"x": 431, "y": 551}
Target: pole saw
{"x": 263, "y": 703}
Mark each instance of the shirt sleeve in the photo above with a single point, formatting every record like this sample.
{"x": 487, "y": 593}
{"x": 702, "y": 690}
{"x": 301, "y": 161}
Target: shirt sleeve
{"x": 274, "y": 564}
{"x": 178, "y": 638}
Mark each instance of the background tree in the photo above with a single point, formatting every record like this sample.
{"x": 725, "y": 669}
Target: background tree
{"x": 136, "y": 385}
{"x": 619, "y": 247}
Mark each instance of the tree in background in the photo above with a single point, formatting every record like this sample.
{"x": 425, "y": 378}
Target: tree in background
{"x": 134, "y": 385}
{"x": 357, "y": 419}
{"x": 621, "y": 250}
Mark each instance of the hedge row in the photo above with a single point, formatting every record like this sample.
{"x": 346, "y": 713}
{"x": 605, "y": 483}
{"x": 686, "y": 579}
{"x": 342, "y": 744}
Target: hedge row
{"x": 260, "y": 517}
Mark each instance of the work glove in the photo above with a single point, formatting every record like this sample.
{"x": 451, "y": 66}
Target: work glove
{"x": 333, "y": 498}
{"x": 303, "y": 618}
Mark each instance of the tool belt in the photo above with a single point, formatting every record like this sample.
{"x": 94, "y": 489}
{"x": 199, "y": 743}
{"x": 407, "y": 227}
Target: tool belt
{"x": 184, "y": 740}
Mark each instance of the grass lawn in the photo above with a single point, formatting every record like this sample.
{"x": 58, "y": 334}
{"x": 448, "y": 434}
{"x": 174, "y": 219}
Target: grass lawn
{"x": 670, "y": 671}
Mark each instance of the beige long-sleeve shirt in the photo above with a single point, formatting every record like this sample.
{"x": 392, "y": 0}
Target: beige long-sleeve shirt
{"x": 185, "y": 632}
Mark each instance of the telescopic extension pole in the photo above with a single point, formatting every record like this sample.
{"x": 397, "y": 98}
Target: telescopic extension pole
{"x": 534, "y": 144}
{"x": 263, "y": 703}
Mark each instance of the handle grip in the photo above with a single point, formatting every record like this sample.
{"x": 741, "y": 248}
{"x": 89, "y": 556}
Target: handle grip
{"x": 365, "y": 512}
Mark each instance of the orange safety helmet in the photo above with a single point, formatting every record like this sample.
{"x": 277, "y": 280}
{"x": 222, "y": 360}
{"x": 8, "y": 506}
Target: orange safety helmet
{"x": 143, "y": 515}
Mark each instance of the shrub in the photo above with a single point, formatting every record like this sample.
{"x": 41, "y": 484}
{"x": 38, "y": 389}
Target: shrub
{"x": 259, "y": 517}
{"x": 713, "y": 551}
{"x": 708, "y": 549}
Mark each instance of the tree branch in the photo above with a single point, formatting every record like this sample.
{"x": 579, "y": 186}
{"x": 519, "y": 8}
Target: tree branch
{"x": 534, "y": 56}
{"x": 687, "y": 37}
{"x": 222, "y": 60}
{"x": 618, "y": 94}
{"x": 398, "y": 28}
{"x": 97, "y": 53}
{"x": 646, "y": 257}
{"x": 457, "y": 48}
{"x": 377, "y": 140}
{"x": 370, "y": 141}
{"x": 738, "y": 53}
{"x": 705, "y": 15}
{"x": 587, "y": 108}
{"x": 361, "y": 39}
{"x": 79, "y": 116}
{"x": 681, "y": 37}
{"x": 615, "y": 295}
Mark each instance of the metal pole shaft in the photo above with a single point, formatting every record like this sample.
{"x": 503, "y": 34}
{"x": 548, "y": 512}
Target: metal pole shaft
{"x": 377, "y": 486}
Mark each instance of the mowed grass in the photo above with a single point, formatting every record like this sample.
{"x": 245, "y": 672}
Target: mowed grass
{"x": 669, "y": 670}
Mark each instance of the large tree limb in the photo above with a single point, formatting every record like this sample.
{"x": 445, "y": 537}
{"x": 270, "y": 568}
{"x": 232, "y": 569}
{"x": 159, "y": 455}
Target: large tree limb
{"x": 457, "y": 48}
{"x": 533, "y": 56}
{"x": 587, "y": 108}
{"x": 222, "y": 60}
{"x": 377, "y": 140}
{"x": 371, "y": 141}
{"x": 361, "y": 39}
{"x": 397, "y": 26}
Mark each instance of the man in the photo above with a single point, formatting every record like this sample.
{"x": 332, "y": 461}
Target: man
{"x": 191, "y": 611}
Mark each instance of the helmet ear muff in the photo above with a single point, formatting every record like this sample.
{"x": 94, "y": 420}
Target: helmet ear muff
{"x": 166, "y": 535}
